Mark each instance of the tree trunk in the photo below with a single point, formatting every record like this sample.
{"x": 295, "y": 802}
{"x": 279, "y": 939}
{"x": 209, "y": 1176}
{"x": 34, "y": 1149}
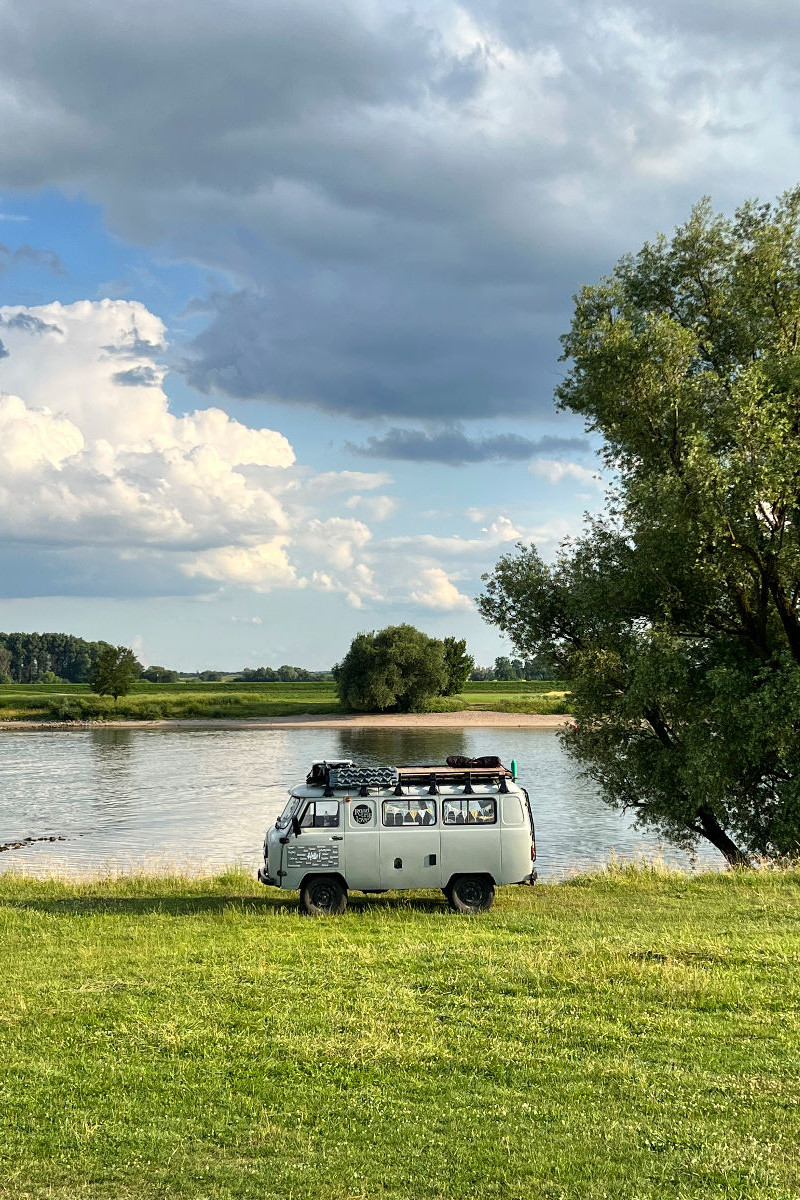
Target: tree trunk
{"x": 711, "y": 829}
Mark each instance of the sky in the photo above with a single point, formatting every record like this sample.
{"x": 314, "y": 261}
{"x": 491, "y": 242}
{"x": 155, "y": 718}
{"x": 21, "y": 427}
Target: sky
{"x": 282, "y": 285}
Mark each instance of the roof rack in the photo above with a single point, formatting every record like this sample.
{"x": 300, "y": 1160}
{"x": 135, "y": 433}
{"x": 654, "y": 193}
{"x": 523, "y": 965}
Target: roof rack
{"x": 433, "y": 776}
{"x": 345, "y": 775}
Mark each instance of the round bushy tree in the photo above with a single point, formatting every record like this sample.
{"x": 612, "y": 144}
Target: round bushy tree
{"x": 398, "y": 667}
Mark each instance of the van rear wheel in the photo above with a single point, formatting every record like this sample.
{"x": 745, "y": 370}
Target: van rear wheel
{"x": 323, "y": 896}
{"x": 470, "y": 894}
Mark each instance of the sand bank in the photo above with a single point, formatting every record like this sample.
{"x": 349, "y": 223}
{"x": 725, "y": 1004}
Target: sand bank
{"x": 452, "y": 720}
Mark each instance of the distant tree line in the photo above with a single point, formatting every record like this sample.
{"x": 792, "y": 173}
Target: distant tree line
{"x": 507, "y": 669}
{"x": 63, "y": 658}
{"x": 47, "y": 657}
{"x": 284, "y": 674}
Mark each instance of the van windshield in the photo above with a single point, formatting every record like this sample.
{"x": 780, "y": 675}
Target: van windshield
{"x": 292, "y": 805}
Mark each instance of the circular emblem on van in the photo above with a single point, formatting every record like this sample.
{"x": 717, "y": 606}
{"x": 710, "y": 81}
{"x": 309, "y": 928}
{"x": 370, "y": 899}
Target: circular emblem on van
{"x": 362, "y": 814}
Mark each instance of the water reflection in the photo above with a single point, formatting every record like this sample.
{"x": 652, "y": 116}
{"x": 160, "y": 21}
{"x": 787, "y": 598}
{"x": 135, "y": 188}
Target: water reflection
{"x": 201, "y": 800}
{"x": 401, "y": 745}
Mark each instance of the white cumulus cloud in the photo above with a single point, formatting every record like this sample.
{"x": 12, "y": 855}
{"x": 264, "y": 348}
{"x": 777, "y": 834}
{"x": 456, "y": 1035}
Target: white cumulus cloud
{"x": 437, "y": 591}
{"x": 556, "y": 470}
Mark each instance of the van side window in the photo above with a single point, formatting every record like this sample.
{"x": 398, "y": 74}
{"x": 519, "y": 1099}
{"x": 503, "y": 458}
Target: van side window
{"x": 411, "y": 814}
{"x": 321, "y": 814}
{"x": 477, "y": 810}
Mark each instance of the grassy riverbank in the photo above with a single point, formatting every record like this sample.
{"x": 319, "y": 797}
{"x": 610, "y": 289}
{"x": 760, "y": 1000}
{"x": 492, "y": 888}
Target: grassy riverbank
{"x": 631, "y": 1035}
{"x": 195, "y": 700}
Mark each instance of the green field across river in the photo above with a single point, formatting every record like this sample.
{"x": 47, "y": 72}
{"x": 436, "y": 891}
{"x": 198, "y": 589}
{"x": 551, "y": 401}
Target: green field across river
{"x": 633, "y": 1034}
{"x": 196, "y": 700}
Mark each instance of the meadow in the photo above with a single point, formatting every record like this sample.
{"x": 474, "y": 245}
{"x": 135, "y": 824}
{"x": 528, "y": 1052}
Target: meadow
{"x": 192, "y": 699}
{"x": 632, "y": 1034}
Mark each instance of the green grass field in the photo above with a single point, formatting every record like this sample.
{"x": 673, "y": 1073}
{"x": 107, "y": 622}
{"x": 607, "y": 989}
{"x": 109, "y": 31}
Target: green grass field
{"x": 634, "y": 1034}
{"x": 192, "y": 700}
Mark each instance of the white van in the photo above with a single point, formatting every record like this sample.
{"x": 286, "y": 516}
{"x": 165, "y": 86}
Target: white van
{"x": 463, "y": 827}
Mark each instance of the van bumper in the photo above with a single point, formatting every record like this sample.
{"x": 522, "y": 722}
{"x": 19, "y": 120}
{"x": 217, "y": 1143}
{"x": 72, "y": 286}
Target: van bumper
{"x": 529, "y": 880}
{"x": 265, "y": 878}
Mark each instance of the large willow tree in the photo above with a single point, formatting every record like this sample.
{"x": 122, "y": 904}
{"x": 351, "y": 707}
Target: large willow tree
{"x": 676, "y": 615}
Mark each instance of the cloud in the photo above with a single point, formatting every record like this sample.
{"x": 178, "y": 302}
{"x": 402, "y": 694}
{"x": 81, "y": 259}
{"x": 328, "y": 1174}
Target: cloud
{"x": 32, "y": 256}
{"x": 141, "y": 376}
{"x": 260, "y": 568}
{"x": 438, "y": 592}
{"x": 26, "y": 255}
{"x": 330, "y": 484}
{"x": 335, "y": 541}
{"x": 375, "y": 508}
{"x": 30, "y": 324}
{"x": 117, "y": 495}
{"x": 402, "y": 198}
{"x": 85, "y": 464}
{"x": 3, "y": 352}
{"x": 502, "y": 530}
{"x": 454, "y": 448}
{"x": 133, "y": 345}
{"x": 556, "y": 470}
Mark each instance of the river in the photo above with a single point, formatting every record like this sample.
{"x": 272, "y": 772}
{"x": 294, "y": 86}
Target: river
{"x": 200, "y": 800}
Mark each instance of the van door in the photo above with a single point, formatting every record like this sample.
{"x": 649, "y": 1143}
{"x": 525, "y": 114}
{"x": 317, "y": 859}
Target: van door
{"x": 470, "y": 836}
{"x": 363, "y": 834}
{"x": 319, "y": 848}
{"x": 410, "y": 843}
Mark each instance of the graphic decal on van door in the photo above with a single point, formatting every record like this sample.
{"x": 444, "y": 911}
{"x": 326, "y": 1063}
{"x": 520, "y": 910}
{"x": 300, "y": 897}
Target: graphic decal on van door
{"x": 312, "y": 856}
{"x": 317, "y": 845}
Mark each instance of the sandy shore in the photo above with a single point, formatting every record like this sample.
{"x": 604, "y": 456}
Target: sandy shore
{"x": 451, "y": 720}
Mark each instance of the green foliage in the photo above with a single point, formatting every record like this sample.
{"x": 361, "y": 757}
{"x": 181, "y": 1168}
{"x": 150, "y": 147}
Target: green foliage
{"x": 160, "y": 675}
{"x": 284, "y": 674}
{"x": 33, "y": 657}
{"x": 396, "y": 668}
{"x": 676, "y": 616}
{"x": 630, "y": 1035}
{"x": 115, "y": 672}
{"x": 458, "y": 665}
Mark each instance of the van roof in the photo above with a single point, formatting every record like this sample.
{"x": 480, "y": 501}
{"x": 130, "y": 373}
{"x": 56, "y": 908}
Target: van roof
{"x": 414, "y": 780}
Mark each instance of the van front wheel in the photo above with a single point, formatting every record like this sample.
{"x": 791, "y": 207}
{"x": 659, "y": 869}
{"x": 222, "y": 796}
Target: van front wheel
{"x": 323, "y": 896}
{"x": 470, "y": 894}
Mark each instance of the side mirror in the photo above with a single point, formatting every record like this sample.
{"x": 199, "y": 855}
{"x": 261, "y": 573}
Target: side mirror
{"x": 296, "y": 827}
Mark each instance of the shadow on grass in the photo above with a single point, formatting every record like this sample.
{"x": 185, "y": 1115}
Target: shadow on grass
{"x": 188, "y": 906}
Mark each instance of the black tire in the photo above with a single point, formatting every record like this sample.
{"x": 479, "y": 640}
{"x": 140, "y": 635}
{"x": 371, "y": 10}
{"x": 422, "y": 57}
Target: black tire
{"x": 470, "y": 894}
{"x": 323, "y": 896}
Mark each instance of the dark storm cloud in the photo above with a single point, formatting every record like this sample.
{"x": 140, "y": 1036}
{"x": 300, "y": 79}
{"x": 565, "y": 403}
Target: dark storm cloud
{"x": 138, "y": 377}
{"x": 378, "y": 354}
{"x": 403, "y": 196}
{"x": 454, "y": 448}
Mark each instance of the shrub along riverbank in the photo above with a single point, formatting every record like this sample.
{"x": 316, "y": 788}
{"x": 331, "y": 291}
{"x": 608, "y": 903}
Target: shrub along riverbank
{"x": 632, "y": 1034}
{"x": 196, "y": 700}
